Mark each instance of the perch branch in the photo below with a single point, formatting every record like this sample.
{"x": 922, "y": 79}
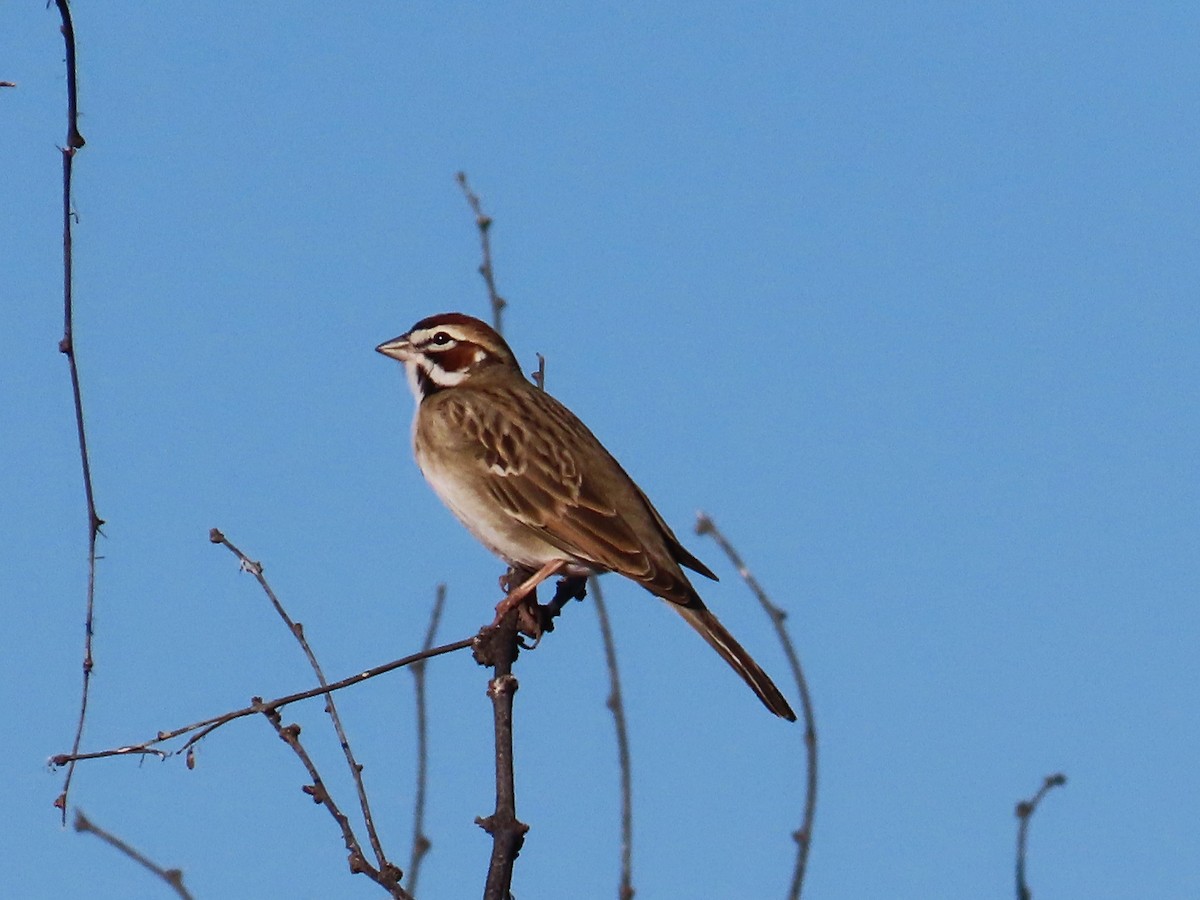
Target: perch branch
{"x": 507, "y": 831}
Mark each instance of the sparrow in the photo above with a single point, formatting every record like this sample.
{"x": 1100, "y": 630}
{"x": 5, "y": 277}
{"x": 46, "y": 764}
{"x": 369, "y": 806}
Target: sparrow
{"x": 535, "y": 486}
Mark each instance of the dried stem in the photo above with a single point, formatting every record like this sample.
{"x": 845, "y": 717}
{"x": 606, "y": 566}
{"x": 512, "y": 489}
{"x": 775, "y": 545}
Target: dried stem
{"x": 803, "y": 835}
{"x": 1025, "y": 811}
{"x": 484, "y": 223}
{"x": 617, "y": 706}
{"x": 205, "y": 727}
{"x": 421, "y": 843}
{"x": 387, "y": 875}
{"x": 297, "y": 630}
{"x": 173, "y": 877}
{"x": 67, "y": 346}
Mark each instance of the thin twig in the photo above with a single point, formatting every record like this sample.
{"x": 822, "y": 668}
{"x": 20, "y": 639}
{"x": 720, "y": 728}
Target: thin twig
{"x": 387, "y": 875}
{"x": 297, "y": 630}
{"x": 616, "y": 705}
{"x": 484, "y": 223}
{"x": 173, "y": 877}
{"x": 803, "y": 835}
{"x": 206, "y": 726}
{"x": 67, "y": 346}
{"x": 539, "y": 377}
{"x": 421, "y": 843}
{"x": 1025, "y": 811}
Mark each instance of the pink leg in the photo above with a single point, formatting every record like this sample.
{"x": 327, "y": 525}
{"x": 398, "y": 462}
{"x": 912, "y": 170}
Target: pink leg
{"x": 518, "y": 594}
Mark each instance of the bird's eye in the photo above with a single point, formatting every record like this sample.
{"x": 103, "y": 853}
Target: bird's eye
{"x": 441, "y": 338}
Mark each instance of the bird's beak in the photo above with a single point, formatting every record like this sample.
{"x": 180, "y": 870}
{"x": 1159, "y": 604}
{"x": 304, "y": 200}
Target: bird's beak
{"x": 397, "y": 348}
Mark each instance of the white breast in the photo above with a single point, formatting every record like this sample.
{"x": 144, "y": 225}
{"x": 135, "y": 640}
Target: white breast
{"x": 491, "y": 525}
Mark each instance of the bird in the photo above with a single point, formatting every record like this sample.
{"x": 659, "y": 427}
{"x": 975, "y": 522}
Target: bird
{"x": 532, "y": 483}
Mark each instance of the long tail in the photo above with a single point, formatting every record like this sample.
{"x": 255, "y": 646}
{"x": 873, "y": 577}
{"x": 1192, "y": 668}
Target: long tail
{"x": 711, "y": 629}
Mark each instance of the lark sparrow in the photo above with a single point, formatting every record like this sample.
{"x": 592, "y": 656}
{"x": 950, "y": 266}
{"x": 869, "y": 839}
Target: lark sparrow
{"x": 535, "y": 486}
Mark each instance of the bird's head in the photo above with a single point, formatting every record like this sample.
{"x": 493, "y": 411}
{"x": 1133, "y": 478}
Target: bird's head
{"x": 445, "y": 350}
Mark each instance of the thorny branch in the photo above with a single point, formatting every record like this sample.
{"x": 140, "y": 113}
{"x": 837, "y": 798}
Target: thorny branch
{"x": 297, "y": 630}
{"x": 1025, "y": 811}
{"x": 67, "y": 346}
{"x": 173, "y": 877}
{"x": 803, "y": 835}
{"x": 498, "y": 646}
{"x": 484, "y": 223}
{"x": 421, "y": 843}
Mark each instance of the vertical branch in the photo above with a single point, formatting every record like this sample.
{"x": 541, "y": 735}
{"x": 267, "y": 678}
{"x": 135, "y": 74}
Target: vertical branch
{"x": 1025, "y": 811}
{"x": 803, "y": 835}
{"x": 67, "y": 347}
{"x": 497, "y": 647}
{"x": 421, "y": 843}
{"x": 617, "y": 706}
{"x": 484, "y": 223}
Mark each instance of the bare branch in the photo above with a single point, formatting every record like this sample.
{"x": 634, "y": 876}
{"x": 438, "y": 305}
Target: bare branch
{"x": 387, "y": 875}
{"x": 484, "y": 223}
{"x": 507, "y": 831}
{"x": 173, "y": 877}
{"x": 297, "y": 630}
{"x": 617, "y": 706}
{"x": 497, "y": 646}
{"x": 206, "y": 726}
{"x": 1025, "y": 811}
{"x": 67, "y": 346}
{"x": 803, "y": 835}
{"x": 421, "y": 843}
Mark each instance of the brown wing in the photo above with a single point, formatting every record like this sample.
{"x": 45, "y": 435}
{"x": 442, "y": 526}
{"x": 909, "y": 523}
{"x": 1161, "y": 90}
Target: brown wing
{"x": 563, "y": 485}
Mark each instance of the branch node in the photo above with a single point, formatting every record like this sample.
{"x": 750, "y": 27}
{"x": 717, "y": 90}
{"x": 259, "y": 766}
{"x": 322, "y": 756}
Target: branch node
{"x": 501, "y": 685}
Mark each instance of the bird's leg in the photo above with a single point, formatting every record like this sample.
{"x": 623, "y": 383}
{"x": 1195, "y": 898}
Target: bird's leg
{"x": 517, "y": 595}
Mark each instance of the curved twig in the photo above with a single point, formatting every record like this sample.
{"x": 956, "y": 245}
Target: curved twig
{"x": 802, "y": 835}
{"x": 1025, "y": 811}
{"x": 67, "y": 347}
{"x": 421, "y": 843}
{"x": 617, "y": 706}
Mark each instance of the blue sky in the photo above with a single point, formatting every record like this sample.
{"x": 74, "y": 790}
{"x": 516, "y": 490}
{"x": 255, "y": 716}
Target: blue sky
{"x": 907, "y": 299}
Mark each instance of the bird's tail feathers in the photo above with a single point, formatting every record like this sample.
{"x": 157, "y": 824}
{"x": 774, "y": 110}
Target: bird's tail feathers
{"x": 702, "y": 619}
